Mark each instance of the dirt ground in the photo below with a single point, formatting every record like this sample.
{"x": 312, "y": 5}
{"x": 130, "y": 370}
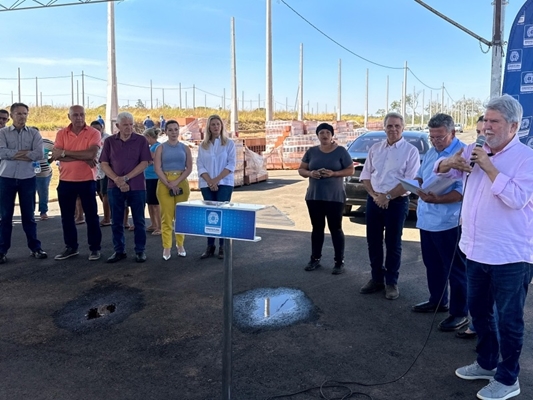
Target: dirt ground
{"x": 164, "y": 341}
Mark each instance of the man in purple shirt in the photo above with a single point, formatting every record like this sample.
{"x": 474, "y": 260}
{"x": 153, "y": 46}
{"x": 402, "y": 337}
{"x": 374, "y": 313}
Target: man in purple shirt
{"x": 124, "y": 157}
{"x": 497, "y": 239}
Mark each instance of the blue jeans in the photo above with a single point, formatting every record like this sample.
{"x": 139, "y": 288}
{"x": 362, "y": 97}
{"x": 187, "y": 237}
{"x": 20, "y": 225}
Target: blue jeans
{"x": 391, "y": 221}
{"x": 440, "y": 254}
{"x": 506, "y": 287}
{"x": 223, "y": 193}
{"x": 67, "y": 193}
{"x": 9, "y": 187}
{"x": 43, "y": 183}
{"x": 136, "y": 200}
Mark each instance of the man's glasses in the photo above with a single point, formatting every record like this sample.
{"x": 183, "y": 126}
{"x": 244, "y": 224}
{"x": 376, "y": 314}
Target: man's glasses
{"x": 438, "y": 139}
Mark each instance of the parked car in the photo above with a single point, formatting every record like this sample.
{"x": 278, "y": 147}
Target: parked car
{"x": 458, "y": 128}
{"x": 356, "y": 194}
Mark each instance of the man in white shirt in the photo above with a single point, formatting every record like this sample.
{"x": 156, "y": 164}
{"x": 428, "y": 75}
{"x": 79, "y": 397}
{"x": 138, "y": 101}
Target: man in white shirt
{"x": 387, "y": 204}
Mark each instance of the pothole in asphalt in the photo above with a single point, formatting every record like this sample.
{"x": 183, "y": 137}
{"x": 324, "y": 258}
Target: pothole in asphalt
{"x": 107, "y": 303}
{"x": 272, "y": 308}
{"x": 101, "y": 311}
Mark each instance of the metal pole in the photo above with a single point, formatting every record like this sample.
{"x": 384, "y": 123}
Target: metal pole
{"x": 228, "y": 320}
{"x": 41, "y": 99}
{"x": 111, "y": 109}
{"x": 163, "y": 96}
{"x": 339, "y": 96}
{"x": 404, "y": 89}
{"x": 151, "y": 96}
{"x": 301, "y": 86}
{"x": 36, "y": 92}
{"x": 72, "y": 85}
{"x": 423, "y": 111}
{"x": 83, "y": 88}
{"x": 366, "y": 100}
{"x": 430, "y": 102}
{"x": 387, "y": 97}
{"x": 19, "y": 85}
{"x": 442, "y": 98}
{"x": 242, "y": 101}
{"x": 269, "y": 103}
{"x": 180, "y": 93}
{"x": 77, "y": 91}
{"x": 413, "y": 106}
{"x": 234, "y": 117}
{"x": 193, "y": 97}
{"x": 497, "y": 49}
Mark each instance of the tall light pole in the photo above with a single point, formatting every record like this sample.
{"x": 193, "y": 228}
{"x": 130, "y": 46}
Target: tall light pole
{"x": 234, "y": 112}
{"x": 111, "y": 109}
{"x": 268, "y": 102}
{"x": 301, "y": 86}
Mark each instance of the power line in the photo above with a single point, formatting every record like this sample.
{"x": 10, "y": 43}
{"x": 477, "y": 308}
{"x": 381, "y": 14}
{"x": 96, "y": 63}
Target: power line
{"x": 350, "y": 51}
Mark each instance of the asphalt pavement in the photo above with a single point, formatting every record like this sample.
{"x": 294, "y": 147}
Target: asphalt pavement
{"x": 160, "y": 336}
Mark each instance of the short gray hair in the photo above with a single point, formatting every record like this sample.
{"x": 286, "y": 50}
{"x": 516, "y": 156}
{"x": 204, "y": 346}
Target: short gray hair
{"x": 392, "y": 114}
{"x": 124, "y": 115}
{"x": 442, "y": 120}
{"x": 508, "y": 106}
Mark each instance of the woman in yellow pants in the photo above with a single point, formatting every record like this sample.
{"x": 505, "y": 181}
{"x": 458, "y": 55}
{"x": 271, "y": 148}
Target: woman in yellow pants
{"x": 172, "y": 164}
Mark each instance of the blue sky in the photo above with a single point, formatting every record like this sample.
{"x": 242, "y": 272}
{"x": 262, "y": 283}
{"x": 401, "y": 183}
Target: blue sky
{"x": 188, "y": 42}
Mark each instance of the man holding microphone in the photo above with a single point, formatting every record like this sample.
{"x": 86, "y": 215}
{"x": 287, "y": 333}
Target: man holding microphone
{"x": 497, "y": 238}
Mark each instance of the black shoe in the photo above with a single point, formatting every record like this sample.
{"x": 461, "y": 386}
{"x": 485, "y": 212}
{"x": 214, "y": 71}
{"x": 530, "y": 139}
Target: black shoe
{"x": 466, "y": 335}
{"x": 427, "y": 307}
{"x": 313, "y": 264}
{"x": 3, "y": 258}
{"x": 39, "y": 254}
{"x": 209, "y": 252}
{"x": 372, "y": 287}
{"x": 220, "y": 253}
{"x": 140, "y": 257}
{"x": 67, "y": 253}
{"x": 116, "y": 257}
{"x": 338, "y": 269}
{"x": 453, "y": 323}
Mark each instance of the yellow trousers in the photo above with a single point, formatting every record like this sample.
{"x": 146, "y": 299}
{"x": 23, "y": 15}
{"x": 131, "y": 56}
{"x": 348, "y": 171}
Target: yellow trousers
{"x": 167, "y": 204}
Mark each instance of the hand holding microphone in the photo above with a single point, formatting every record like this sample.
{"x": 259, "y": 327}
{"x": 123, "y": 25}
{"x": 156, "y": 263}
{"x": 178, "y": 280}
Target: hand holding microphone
{"x": 479, "y": 144}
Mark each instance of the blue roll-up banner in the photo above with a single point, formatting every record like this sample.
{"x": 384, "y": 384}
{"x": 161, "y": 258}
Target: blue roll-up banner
{"x": 518, "y": 75}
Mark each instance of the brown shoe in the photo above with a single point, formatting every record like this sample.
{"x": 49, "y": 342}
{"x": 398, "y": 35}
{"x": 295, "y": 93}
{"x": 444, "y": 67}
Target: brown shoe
{"x": 220, "y": 253}
{"x": 372, "y": 287}
{"x": 392, "y": 292}
{"x": 209, "y": 252}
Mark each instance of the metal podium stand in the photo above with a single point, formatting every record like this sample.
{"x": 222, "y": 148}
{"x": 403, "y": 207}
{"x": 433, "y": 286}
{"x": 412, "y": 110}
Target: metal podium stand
{"x": 231, "y": 221}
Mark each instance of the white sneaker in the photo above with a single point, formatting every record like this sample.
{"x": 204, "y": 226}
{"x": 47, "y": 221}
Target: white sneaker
{"x": 498, "y": 391}
{"x": 474, "y": 371}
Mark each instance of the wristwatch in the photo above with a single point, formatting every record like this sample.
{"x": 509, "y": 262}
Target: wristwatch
{"x": 63, "y": 154}
{"x": 388, "y": 197}
{"x": 126, "y": 179}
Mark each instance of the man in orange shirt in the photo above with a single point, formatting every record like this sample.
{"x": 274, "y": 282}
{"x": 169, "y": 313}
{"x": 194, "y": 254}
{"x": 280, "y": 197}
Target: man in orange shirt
{"x": 75, "y": 148}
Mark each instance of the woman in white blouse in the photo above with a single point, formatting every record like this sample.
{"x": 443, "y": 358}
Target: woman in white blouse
{"x": 216, "y": 164}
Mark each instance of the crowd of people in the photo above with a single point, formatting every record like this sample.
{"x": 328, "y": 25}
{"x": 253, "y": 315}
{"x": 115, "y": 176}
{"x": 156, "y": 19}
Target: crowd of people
{"x": 476, "y": 235}
{"x": 126, "y": 170}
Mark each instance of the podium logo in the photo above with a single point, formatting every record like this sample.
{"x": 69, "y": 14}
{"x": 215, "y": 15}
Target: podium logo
{"x": 213, "y": 222}
{"x": 515, "y": 60}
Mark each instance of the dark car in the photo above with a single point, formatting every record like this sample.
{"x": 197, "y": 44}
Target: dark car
{"x": 356, "y": 194}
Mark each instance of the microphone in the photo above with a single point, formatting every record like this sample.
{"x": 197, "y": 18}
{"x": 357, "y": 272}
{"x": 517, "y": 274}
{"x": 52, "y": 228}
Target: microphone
{"x": 479, "y": 143}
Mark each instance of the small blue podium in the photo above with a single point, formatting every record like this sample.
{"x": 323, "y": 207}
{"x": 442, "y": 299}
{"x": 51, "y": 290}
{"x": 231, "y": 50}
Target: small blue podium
{"x": 223, "y": 220}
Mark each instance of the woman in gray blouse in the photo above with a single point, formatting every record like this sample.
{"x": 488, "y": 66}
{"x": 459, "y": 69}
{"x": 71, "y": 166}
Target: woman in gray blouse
{"x": 326, "y": 165}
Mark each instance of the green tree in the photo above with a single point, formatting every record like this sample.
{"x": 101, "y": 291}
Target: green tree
{"x": 139, "y": 104}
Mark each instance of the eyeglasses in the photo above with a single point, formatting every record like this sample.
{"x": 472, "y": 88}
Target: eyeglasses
{"x": 438, "y": 139}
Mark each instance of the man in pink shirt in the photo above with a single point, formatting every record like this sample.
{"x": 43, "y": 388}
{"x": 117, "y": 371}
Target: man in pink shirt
{"x": 387, "y": 204}
{"x": 75, "y": 148}
{"x": 497, "y": 238}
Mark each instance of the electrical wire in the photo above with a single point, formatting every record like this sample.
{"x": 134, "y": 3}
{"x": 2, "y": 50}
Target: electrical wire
{"x": 351, "y": 51}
